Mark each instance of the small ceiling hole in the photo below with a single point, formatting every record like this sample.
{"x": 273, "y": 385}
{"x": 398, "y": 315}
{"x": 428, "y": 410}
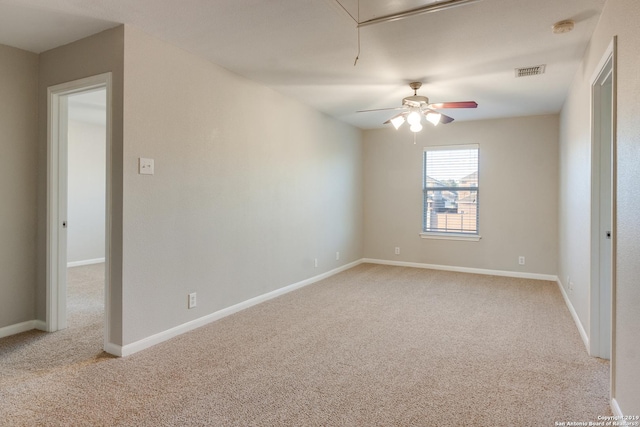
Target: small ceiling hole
{"x": 530, "y": 71}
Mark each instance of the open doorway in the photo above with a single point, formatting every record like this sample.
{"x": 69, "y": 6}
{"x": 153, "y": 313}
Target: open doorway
{"x": 78, "y": 202}
{"x": 86, "y": 207}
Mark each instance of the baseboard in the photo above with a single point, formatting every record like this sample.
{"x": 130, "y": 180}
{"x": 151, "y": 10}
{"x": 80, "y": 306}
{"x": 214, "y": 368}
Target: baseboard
{"x": 618, "y": 415}
{"x": 516, "y": 274}
{"x": 18, "y": 328}
{"x": 85, "y": 262}
{"x": 615, "y": 408}
{"x": 40, "y": 325}
{"x": 145, "y": 343}
{"x": 113, "y": 349}
{"x": 576, "y": 319}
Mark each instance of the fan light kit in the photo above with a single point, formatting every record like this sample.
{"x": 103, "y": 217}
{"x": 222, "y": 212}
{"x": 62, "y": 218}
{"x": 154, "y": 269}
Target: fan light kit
{"x": 415, "y": 107}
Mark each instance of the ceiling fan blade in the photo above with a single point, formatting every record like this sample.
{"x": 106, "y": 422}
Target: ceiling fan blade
{"x": 397, "y": 115}
{"x": 461, "y": 104}
{"x": 444, "y": 119}
{"x": 380, "y": 109}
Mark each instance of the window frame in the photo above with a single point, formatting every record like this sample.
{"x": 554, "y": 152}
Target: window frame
{"x": 449, "y": 235}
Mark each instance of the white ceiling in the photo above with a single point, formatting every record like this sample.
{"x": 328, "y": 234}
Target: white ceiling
{"x": 306, "y": 48}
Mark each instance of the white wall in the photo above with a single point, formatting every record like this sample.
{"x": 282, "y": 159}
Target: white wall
{"x": 517, "y": 195}
{"x": 18, "y": 173}
{"x": 249, "y": 187}
{"x": 620, "y": 17}
{"x": 86, "y": 191}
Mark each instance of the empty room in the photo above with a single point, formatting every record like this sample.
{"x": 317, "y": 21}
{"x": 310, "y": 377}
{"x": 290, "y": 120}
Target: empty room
{"x": 319, "y": 213}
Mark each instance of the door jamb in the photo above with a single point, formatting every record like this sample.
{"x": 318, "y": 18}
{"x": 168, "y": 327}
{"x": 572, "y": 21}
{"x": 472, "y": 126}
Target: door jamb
{"x": 610, "y": 55}
{"x": 55, "y": 260}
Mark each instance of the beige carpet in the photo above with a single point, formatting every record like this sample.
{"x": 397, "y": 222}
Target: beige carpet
{"x": 37, "y": 354}
{"x": 372, "y": 346}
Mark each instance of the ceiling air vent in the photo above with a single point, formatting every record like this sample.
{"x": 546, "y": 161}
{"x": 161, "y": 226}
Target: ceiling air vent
{"x": 530, "y": 71}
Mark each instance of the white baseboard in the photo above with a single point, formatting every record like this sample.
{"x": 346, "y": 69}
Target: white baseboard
{"x": 576, "y": 319}
{"x": 517, "y": 274}
{"x": 615, "y": 408}
{"x": 40, "y": 325}
{"x": 18, "y": 328}
{"x": 145, "y": 343}
{"x": 113, "y": 349}
{"x": 85, "y": 262}
{"x": 617, "y": 412}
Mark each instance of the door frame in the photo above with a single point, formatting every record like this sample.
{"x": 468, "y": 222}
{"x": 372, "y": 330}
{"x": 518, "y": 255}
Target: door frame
{"x": 56, "y": 258}
{"x": 606, "y": 66}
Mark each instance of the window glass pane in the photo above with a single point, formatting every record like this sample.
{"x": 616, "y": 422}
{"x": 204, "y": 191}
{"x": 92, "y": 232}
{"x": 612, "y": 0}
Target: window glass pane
{"x": 447, "y": 213}
{"x": 451, "y": 190}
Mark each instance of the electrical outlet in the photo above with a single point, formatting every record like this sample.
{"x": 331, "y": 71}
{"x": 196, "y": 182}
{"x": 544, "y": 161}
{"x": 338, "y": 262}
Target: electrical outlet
{"x": 192, "y": 300}
{"x": 315, "y": 262}
{"x": 337, "y": 256}
{"x": 521, "y": 260}
{"x": 397, "y": 250}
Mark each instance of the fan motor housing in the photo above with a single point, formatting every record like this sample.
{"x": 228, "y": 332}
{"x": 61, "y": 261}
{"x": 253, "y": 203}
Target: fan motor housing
{"x": 415, "y": 101}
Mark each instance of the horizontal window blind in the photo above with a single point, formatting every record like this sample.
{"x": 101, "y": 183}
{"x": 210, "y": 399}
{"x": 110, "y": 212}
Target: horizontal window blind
{"x": 451, "y": 189}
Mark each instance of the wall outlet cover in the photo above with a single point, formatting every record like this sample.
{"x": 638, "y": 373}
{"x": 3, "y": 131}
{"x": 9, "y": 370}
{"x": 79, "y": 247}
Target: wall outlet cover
{"x": 145, "y": 166}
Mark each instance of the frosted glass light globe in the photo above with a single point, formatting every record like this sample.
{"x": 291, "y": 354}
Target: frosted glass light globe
{"x": 414, "y": 118}
{"x": 416, "y": 128}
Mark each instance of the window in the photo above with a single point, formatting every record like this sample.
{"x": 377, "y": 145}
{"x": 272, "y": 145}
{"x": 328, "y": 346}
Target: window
{"x": 450, "y": 187}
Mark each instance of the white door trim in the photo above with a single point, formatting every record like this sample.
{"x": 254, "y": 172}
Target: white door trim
{"x": 606, "y": 66}
{"x": 56, "y": 191}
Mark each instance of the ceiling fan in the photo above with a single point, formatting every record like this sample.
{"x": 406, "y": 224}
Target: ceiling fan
{"x": 416, "y": 106}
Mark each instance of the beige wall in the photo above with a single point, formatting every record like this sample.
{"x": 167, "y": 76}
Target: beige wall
{"x": 620, "y": 17}
{"x": 18, "y": 145}
{"x": 517, "y": 195}
{"x": 249, "y": 188}
{"x": 101, "y": 53}
{"x": 268, "y": 183}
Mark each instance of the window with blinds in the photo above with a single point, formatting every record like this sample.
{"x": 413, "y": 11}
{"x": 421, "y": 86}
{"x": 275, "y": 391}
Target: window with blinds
{"x": 451, "y": 190}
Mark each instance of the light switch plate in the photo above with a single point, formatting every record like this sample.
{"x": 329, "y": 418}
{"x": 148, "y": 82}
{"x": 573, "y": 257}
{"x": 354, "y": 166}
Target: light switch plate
{"x": 145, "y": 166}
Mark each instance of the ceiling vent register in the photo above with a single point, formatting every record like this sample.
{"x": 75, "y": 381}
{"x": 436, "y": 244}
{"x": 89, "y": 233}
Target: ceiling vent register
{"x": 530, "y": 71}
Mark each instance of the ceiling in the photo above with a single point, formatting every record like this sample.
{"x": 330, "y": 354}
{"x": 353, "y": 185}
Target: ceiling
{"x": 306, "y": 49}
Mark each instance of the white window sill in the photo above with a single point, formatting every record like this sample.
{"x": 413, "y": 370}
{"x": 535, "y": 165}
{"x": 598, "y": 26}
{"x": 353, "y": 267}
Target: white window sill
{"x": 451, "y": 236}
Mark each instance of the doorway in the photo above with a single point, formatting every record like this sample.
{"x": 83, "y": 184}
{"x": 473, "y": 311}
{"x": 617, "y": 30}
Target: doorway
{"x": 78, "y": 198}
{"x": 603, "y": 232}
{"x": 86, "y": 189}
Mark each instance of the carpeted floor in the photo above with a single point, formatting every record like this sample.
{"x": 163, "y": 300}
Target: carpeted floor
{"x": 37, "y": 354}
{"x": 372, "y": 346}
